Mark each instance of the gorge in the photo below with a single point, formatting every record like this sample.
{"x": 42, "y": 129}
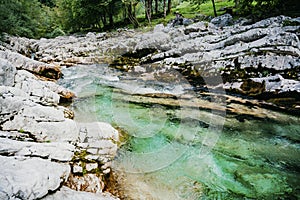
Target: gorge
{"x": 208, "y": 110}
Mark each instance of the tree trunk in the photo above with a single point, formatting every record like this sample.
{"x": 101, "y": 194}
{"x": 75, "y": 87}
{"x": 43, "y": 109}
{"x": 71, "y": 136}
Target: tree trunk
{"x": 165, "y": 8}
{"x": 156, "y": 6}
{"x": 131, "y": 15}
{"x": 148, "y": 10}
{"x": 111, "y": 14}
{"x": 103, "y": 19}
{"x": 215, "y": 12}
{"x": 236, "y": 3}
{"x": 169, "y": 6}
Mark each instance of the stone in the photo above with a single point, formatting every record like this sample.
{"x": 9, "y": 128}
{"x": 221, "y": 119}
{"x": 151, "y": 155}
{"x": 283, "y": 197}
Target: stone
{"x": 223, "y": 20}
{"x": 62, "y": 152}
{"x": 91, "y": 166}
{"x": 277, "y": 84}
{"x": 63, "y": 131}
{"x": 87, "y": 182}
{"x": 37, "y": 90}
{"x": 22, "y": 62}
{"x": 77, "y": 168}
{"x": 7, "y": 73}
{"x": 96, "y": 131}
{"x": 30, "y": 178}
{"x": 69, "y": 194}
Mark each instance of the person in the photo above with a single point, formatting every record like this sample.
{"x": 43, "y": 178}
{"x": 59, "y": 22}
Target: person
{"x": 178, "y": 19}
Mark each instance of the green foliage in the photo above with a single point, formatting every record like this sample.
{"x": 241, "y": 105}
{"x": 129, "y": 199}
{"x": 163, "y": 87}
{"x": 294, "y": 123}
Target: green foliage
{"x": 259, "y": 9}
{"x": 80, "y": 15}
{"x": 51, "y": 18}
{"x": 25, "y": 18}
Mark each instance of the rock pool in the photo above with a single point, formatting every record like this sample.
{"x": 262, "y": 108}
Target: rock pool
{"x": 178, "y": 144}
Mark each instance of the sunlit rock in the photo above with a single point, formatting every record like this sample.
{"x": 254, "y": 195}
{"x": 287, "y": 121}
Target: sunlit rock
{"x": 7, "y": 73}
{"x": 36, "y": 178}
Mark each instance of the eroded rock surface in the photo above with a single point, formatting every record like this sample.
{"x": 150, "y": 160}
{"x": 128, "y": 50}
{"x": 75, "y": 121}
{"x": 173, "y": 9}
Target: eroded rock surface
{"x": 259, "y": 60}
{"x": 235, "y": 51}
{"x": 40, "y": 144}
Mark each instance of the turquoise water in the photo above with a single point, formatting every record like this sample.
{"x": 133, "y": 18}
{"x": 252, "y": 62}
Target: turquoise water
{"x": 175, "y": 151}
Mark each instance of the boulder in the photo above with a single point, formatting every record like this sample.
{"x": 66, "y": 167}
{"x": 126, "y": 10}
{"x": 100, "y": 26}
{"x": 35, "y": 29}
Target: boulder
{"x": 47, "y": 92}
{"x": 99, "y": 142}
{"x": 36, "y": 67}
{"x": 223, "y": 20}
{"x": 43, "y": 123}
{"x": 30, "y": 178}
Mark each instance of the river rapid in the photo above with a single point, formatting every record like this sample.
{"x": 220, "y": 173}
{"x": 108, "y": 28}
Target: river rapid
{"x": 179, "y": 144}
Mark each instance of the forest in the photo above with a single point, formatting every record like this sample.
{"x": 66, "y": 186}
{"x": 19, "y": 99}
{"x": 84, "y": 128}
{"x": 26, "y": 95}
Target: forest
{"x": 51, "y": 18}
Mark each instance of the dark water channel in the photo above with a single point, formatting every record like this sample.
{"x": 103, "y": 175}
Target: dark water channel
{"x": 175, "y": 149}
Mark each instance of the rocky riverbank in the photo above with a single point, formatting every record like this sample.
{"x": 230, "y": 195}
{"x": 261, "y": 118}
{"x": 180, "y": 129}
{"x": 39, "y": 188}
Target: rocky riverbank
{"x": 46, "y": 154}
{"x": 259, "y": 60}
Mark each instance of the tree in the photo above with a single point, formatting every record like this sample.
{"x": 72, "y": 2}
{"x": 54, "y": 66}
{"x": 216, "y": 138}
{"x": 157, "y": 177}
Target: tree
{"x": 214, "y": 7}
{"x": 23, "y": 18}
{"x": 258, "y": 9}
{"x": 130, "y": 11}
{"x": 169, "y": 7}
{"x": 165, "y": 8}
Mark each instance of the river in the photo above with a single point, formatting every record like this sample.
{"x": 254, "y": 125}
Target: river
{"x": 180, "y": 144}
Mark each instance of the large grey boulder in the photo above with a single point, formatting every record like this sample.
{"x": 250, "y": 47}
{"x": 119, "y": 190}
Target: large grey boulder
{"x": 30, "y": 178}
{"x": 223, "y": 20}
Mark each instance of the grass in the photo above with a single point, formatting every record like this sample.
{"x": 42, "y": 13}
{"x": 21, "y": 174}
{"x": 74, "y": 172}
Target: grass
{"x": 207, "y": 8}
{"x": 189, "y": 10}
{"x": 186, "y": 8}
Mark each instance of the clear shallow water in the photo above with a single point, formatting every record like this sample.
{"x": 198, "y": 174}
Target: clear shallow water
{"x": 179, "y": 152}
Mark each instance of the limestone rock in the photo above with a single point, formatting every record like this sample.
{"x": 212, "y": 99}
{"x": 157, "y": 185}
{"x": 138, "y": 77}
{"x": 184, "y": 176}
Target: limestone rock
{"x": 223, "y": 20}
{"x": 99, "y": 141}
{"x": 62, "y": 152}
{"x": 7, "y": 73}
{"x": 44, "y": 123}
{"x": 22, "y": 62}
{"x": 69, "y": 194}
{"x": 87, "y": 182}
{"x": 38, "y": 91}
{"x": 30, "y": 178}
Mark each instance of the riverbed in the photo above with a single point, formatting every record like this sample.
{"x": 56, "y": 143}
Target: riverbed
{"x": 181, "y": 144}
